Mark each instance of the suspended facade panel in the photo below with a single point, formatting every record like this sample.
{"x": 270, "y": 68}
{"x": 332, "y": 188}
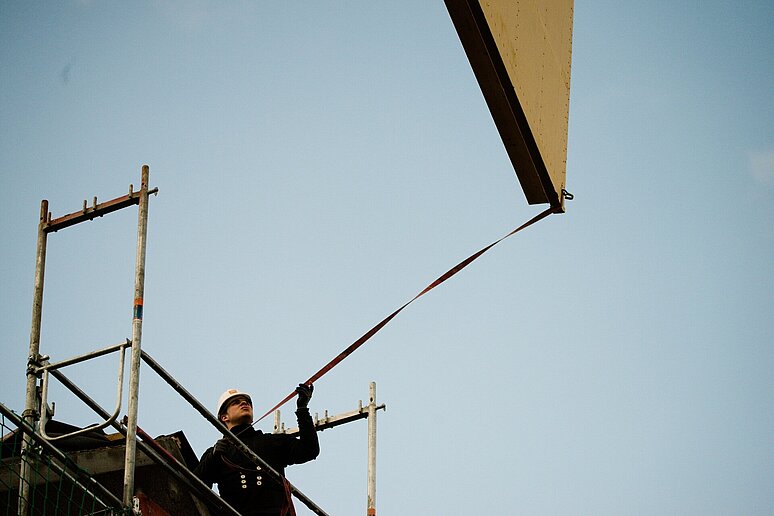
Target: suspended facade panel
{"x": 521, "y": 53}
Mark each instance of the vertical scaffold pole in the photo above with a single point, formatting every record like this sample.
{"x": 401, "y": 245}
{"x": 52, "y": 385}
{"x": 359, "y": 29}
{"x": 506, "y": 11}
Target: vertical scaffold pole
{"x": 30, "y": 414}
{"x": 134, "y": 368}
{"x": 371, "y": 511}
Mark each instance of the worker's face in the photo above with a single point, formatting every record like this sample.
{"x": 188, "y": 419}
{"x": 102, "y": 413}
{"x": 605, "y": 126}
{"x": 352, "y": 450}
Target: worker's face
{"x": 239, "y": 411}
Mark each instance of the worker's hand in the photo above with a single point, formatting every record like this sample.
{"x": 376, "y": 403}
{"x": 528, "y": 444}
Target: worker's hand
{"x": 223, "y": 447}
{"x": 304, "y": 395}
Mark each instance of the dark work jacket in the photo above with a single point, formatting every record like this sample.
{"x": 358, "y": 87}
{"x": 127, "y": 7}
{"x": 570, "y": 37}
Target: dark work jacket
{"x": 244, "y": 485}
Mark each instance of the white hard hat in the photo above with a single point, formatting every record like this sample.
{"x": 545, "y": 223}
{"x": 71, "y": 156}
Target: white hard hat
{"x": 226, "y": 396}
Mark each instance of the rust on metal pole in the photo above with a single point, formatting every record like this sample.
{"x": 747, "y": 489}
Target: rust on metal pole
{"x": 30, "y": 414}
{"x": 96, "y": 210}
{"x": 134, "y": 368}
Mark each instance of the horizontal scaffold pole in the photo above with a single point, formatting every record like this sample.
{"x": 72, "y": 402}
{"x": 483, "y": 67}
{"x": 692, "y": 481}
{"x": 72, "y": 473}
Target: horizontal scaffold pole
{"x": 93, "y": 211}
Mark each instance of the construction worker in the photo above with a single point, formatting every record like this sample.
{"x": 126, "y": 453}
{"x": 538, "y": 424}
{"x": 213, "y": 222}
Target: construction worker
{"x": 244, "y": 485}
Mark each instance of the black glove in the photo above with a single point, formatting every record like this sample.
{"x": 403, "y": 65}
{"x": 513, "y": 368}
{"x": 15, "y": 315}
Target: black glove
{"x": 223, "y": 447}
{"x": 304, "y": 394}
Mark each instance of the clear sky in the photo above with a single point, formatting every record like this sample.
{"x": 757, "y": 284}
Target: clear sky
{"x": 319, "y": 163}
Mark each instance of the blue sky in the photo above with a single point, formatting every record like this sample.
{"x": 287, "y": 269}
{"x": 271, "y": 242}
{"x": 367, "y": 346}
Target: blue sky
{"x": 319, "y": 164}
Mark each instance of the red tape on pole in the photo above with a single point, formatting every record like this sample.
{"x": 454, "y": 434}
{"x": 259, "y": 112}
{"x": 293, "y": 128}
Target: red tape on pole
{"x": 370, "y": 333}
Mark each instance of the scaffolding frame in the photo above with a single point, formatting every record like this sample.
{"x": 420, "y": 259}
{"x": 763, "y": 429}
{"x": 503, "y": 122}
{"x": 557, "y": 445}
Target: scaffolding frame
{"x": 368, "y": 412}
{"x": 33, "y": 408}
{"x": 39, "y": 369}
